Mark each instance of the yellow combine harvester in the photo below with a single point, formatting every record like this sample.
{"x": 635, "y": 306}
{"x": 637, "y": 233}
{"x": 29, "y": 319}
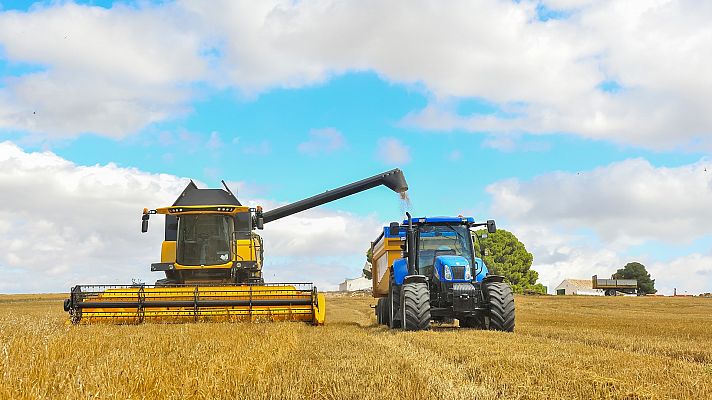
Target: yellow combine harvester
{"x": 212, "y": 260}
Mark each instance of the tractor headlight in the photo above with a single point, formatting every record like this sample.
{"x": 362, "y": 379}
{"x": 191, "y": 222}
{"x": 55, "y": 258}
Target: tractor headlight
{"x": 468, "y": 273}
{"x": 447, "y": 273}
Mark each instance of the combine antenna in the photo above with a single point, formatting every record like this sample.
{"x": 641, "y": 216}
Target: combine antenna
{"x": 226, "y": 188}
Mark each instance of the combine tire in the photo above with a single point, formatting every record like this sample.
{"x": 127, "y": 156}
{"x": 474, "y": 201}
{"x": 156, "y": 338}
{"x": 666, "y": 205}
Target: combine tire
{"x": 393, "y": 302}
{"x": 500, "y": 298}
{"x": 416, "y": 306}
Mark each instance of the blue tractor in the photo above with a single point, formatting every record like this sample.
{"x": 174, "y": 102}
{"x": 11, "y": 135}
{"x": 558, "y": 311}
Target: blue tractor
{"x": 428, "y": 269}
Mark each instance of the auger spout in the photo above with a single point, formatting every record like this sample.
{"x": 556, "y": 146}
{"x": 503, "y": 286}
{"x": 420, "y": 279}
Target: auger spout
{"x": 393, "y": 179}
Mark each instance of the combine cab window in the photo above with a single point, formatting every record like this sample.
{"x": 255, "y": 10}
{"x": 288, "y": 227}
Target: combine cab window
{"x": 204, "y": 239}
{"x": 243, "y": 225}
{"x": 440, "y": 240}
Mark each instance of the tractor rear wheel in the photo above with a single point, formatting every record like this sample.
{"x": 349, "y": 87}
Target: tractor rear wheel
{"x": 500, "y": 298}
{"x": 416, "y": 306}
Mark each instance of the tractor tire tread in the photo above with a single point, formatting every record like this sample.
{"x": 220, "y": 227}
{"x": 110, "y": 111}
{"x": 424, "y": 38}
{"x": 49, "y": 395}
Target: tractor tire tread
{"x": 416, "y": 304}
{"x": 501, "y": 303}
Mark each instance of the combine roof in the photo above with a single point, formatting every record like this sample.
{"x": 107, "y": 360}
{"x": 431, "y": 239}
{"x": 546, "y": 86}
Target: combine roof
{"x": 193, "y": 196}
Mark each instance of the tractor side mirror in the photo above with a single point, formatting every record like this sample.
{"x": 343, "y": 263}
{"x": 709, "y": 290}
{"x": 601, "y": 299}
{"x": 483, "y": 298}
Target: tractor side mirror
{"x": 491, "y": 226}
{"x": 393, "y": 229}
{"x": 144, "y": 223}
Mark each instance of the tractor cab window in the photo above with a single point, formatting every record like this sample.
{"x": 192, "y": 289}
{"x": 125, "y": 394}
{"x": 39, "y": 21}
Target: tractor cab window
{"x": 204, "y": 239}
{"x": 440, "y": 240}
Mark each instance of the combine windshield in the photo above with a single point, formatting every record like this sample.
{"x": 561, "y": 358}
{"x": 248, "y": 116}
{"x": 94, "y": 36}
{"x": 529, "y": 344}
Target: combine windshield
{"x": 439, "y": 240}
{"x": 204, "y": 239}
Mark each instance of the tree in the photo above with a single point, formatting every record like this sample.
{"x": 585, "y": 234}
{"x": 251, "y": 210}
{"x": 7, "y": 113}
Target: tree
{"x": 369, "y": 257}
{"x": 508, "y": 257}
{"x": 636, "y": 270}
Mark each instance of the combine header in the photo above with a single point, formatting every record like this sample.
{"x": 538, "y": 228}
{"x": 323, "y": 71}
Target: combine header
{"x": 212, "y": 260}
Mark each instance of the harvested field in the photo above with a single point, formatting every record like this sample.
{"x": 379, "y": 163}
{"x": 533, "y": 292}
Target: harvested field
{"x": 564, "y": 347}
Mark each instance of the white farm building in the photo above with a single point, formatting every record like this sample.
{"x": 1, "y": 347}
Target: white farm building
{"x": 580, "y": 287}
{"x": 352, "y": 285}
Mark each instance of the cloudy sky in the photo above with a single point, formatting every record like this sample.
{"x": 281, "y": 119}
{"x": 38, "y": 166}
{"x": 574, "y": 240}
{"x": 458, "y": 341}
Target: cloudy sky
{"x": 584, "y": 127}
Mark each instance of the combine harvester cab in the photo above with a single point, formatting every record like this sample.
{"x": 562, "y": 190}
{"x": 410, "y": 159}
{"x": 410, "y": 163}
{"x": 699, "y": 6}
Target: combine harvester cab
{"x": 212, "y": 260}
{"x": 426, "y": 270}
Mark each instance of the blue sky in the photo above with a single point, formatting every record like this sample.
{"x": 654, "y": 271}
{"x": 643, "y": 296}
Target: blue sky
{"x": 292, "y": 115}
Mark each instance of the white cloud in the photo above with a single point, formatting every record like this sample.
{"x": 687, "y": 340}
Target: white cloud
{"x": 66, "y": 224}
{"x": 392, "y": 151}
{"x": 691, "y": 274}
{"x": 71, "y": 224}
{"x": 115, "y": 71}
{"x": 545, "y": 74}
{"x": 589, "y": 222}
{"x": 627, "y": 202}
{"x": 327, "y": 140}
{"x": 214, "y": 142}
{"x": 110, "y": 72}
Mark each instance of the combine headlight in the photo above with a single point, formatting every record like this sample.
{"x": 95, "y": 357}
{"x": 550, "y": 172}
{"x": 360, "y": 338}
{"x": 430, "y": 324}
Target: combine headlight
{"x": 447, "y": 272}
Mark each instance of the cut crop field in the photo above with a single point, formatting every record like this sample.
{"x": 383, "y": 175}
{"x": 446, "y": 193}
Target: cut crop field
{"x": 563, "y": 348}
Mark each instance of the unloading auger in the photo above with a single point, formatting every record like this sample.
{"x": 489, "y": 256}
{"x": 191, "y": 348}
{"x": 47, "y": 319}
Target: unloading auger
{"x": 212, "y": 259}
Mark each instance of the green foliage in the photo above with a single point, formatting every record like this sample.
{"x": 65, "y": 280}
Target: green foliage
{"x": 508, "y": 257}
{"x": 636, "y": 270}
{"x": 369, "y": 257}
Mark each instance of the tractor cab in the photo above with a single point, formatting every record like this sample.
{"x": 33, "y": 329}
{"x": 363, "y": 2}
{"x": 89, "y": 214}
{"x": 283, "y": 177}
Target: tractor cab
{"x": 446, "y": 250}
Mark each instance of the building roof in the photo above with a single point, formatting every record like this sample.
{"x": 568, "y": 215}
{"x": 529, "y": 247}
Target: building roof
{"x": 577, "y": 283}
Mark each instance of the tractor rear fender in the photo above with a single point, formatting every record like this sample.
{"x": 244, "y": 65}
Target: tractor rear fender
{"x": 415, "y": 279}
{"x": 400, "y": 270}
{"x": 492, "y": 278}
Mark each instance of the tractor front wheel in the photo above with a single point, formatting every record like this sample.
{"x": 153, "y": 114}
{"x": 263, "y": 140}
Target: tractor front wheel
{"x": 415, "y": 300}
{"x": 500, "y": 298}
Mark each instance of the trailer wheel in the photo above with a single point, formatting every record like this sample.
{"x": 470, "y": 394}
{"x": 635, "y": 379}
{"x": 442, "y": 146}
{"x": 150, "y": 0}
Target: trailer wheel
{"x": 393, "y": 305}
{"x": 500, "y": 299}
{"x": 380, "y": 312}
{"x": 610, "y": 292}
{"x": 416, "y": 306}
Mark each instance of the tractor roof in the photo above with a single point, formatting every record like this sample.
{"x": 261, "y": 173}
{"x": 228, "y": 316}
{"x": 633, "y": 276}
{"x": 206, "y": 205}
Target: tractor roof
{"x": 192, "y": 196}
{"x": 436, "y": 220}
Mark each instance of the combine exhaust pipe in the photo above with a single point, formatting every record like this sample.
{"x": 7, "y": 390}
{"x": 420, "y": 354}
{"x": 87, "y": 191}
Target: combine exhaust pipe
{"x": 393, "y": 179}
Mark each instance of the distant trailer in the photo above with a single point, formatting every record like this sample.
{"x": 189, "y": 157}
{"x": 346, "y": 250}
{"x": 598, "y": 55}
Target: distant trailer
{"x": 612, "y": 287}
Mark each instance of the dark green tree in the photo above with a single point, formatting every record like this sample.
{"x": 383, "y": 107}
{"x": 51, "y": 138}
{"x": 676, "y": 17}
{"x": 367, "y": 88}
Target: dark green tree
{"x": 369, "y": 258}
{"x": 636, "y": 270}
{"x": 507, "y": 256}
